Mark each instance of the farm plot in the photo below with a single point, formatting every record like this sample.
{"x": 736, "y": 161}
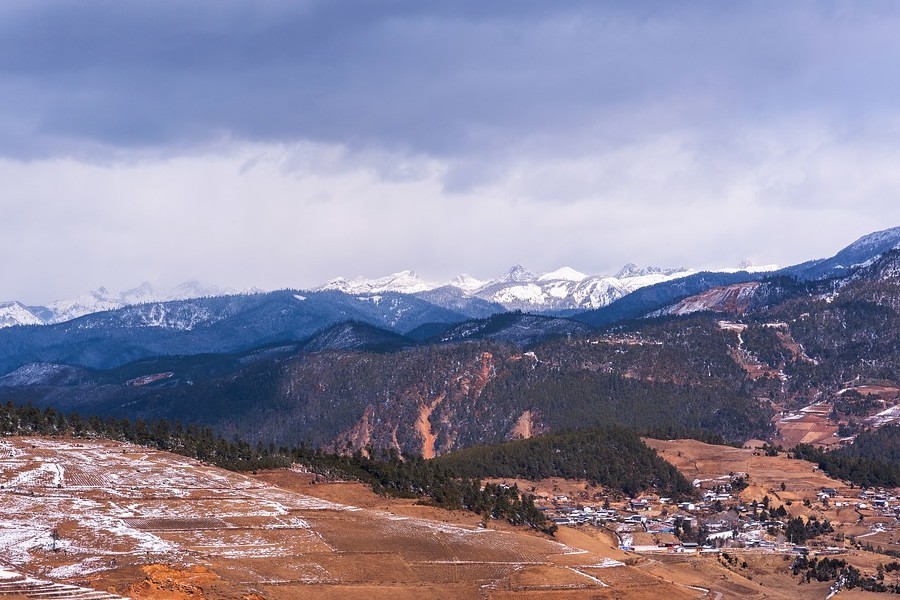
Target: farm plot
{"x": 552, "y": 577}
{"x": 709, "y": 463}
{"x": 86, "y": 477}
{"x": 248, "y": 542}
{"x": 43, "y": 475}
{"x": 222, "y": 507}
{"x": 454, "y": 572}
{"x": 7, "y": 451}
{"x": 418, "y": 540}
{"x": 184, "y": 524}
{"x": 17, "y": 585}
{"x": 809, "y": 425}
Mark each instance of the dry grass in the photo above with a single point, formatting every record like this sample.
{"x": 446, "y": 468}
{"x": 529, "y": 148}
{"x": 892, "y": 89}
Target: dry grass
{"x": 158, "y": 526}
{"x": 154, "y": 525}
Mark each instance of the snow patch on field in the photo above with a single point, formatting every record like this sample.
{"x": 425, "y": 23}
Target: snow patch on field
{"x": 591, "y": 577}
{"x": 117, "y": 505}
{"x": 46, "y": 474}
{"x": 606, "y": 563}
{"x": 291, "y": 523}
{"x": 886, "y": 417}
{"x": 94, "y": 564}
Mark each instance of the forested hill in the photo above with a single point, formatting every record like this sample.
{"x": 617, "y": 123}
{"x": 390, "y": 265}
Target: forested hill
{"x": 436, "y": 399}
{"x": 872, "y": 460}
{"x": 615, "y": 458}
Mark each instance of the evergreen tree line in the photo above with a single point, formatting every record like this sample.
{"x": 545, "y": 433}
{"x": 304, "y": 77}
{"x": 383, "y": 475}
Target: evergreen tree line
{"x": 764, "y": 343}
{"x": 614, "y": 457}
{"x": 836, "y": 569}
{"x": 674, "y": 432}
{"x": 872, "y": 460}
{"x": 798, "y": 532}
{"x": 415, "y": 477}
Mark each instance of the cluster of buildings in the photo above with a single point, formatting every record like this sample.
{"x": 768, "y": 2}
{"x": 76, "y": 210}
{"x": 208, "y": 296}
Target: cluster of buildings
{"x": 880, "y": 501}
{"x": 716, "y": 518}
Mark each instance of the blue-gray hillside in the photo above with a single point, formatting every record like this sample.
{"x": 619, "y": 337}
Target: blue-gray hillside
{"x": 864, "y": 250}
{"x": 655, "y": 297}
{"x": 455, "y": 299}
{"x": 224, "y": 324}
{"x": 517, "y": 328}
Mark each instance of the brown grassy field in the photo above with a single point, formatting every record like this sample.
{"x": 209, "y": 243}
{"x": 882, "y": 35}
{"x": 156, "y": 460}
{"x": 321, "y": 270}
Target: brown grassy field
{"x": 147, "y": 524}
{"x": 697, "y": 460}
{"x": 153, "y": 525}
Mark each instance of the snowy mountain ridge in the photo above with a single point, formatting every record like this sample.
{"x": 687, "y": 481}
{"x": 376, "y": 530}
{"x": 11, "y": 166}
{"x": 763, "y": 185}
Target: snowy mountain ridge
{"x": 101, "y": 299}
{"x": 520, "y": 289}
{"x": 564, "y": 289}
{"x": 15, "y": 313}
{"x": 404, "y": 282}
{"x": 561, "y": 291}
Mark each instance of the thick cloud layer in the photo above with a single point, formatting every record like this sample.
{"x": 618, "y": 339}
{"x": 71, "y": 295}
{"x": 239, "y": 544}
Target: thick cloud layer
{"x": 283, "y": 143}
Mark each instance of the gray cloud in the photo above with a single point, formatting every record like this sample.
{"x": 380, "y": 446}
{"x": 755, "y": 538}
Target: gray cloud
{"x": 280, "y": 143}
{"x": 442, "y": 78}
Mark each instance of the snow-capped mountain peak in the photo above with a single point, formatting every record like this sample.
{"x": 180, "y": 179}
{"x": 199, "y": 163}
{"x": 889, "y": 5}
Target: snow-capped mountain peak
{"x": 71, "y": 308}
{"x": 562, "y": 289}
{"x": 886, "y": 239}
{"x": 632, "y": 270}
{"x": 516, "y": 274}
{"x": 563, "y": 274}
{"x": 196, "y": 289}
{"x": 467, "y": 283}
{"x": 629, "y": 270}
{"x": 141, "y": 294}
{"x": 15, "y": 313}
{"x": 405, "y": 282}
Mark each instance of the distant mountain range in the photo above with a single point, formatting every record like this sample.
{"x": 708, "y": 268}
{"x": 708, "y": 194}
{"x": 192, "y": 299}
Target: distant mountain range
{"x": 99, "y": 300}
{"x": 114, "y": 329}
{"x": 559, "y": 291}
{"x": 562, "y": 291}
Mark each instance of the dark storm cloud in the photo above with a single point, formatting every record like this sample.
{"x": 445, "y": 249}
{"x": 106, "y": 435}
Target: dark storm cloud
{"x": 441, "y": 78}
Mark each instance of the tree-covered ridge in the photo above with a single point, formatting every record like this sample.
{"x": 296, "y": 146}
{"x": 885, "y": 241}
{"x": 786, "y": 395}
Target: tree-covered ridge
{"x": 850, "y": 326}
{"x": 872, "y": 460}
{"x": 585, "y": 399}
{"x": 416, "y": 478}
{"x": 614, "y": 457}
{"x": 668, "y": 376}
{"x": 690, "y": 350}
{"x": 198, "y": 442}
{"x": 881, "y": 444}
{"x": 764, "y": 343}
{"x": 847, "y": 576}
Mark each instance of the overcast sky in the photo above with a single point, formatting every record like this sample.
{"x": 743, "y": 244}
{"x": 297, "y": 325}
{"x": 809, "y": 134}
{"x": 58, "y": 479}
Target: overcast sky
{"x": 280, "y": 144}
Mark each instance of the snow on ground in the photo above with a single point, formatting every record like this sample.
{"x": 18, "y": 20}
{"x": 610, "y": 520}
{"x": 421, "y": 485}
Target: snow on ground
{"x": 90, "y": 565}
{"x": 886, "y": 417}
{"x": 110, "y": 501}
{"x": 591, "y": 577}
{"x": 564, "y": 273}
{"x": 606, "y": 563}
{"x": 21, "y": 586}
{"x": 74, "y": 508}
